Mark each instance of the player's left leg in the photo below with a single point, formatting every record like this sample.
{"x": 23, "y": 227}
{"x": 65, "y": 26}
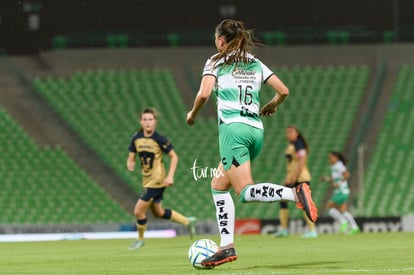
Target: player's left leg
{"x": 239, "y": 145}
{"x": 270, "y": 192}
{"x": 172, "y": 215}
{"x": 336, "y": 214}
{"x": 283, "y": 230}
{"x": 225, "y": 215}
{"x": 348, "y": 216}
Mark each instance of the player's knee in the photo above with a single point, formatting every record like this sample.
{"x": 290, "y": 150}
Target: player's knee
{"x": 330, "y": 205}
{"x": 139, "y": 214}
{"x": 241, "y": 193}
{"x": 167, "y": 214}
{"x": 157, "y": 214}
{"x": 283, "y": 205}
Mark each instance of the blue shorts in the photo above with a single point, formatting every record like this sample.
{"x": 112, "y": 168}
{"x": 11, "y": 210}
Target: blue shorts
{"x": 154, "y": 194}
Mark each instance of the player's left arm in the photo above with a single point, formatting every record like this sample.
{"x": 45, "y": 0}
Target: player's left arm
{"x": 206, "y": 87}
{"x": 169, "y": 180}
{"x": 346, "y": 175}
{"x": 281, "y": 93}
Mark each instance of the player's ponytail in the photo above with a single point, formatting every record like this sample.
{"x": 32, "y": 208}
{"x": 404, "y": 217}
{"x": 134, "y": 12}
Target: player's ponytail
{"x": 239, "y": 41}
{"x": 339, "y": 155}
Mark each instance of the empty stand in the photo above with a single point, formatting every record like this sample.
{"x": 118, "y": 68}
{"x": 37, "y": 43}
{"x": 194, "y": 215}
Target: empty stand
{"x": 388, "y": 183}
{"x": 44, "y": 186}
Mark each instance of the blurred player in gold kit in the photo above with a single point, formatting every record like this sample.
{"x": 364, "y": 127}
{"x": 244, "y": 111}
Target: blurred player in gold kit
{"x": 150, "y": 146}
{"x": 296, "y": 154}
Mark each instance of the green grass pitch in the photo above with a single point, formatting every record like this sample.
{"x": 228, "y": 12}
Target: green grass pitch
{"x": 384, "y": 253}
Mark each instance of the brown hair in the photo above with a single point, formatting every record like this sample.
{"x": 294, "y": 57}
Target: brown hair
{"x": 301, "y": 137}
{"x": 152, "y": 111}
{"x": 239, "y": 40}
{"x": 339, "y": 156}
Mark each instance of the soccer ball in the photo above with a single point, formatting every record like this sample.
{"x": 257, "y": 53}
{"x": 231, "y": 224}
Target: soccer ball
{"x": 201, "y": 250}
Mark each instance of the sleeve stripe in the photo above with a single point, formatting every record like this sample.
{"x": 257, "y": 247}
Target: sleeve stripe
{"x": 267, "y": 78}
{"x": 210, "y": 74}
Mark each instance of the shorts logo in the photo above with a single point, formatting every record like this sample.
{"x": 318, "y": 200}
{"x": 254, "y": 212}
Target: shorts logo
{"x": 235, "y": 162}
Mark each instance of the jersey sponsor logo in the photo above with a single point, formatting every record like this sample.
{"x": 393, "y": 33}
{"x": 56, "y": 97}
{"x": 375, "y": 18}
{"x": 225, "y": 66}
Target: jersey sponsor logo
{"x": 246, "y": 113}
{"x": 246, "y": 60}
{"x": 241, "y": 72}
{"x": 143, "y": 147}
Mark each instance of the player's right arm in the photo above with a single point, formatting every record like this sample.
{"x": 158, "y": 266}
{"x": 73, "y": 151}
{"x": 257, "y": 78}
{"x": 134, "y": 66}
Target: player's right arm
{"x": 281, "y": 93}
{"x": 131, "y": 161}
{"x": 206, "y": 87}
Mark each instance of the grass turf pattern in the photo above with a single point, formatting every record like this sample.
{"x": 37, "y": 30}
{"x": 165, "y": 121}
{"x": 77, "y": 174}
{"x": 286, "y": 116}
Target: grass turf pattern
{"x": 371, "y": 253}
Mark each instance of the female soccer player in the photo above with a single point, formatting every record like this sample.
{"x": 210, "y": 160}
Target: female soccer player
{"x": 236, "y": 77}
{"x": 297, "y": 173}
{"x": 338, "y": 202}
{"x": 149, "y": 145}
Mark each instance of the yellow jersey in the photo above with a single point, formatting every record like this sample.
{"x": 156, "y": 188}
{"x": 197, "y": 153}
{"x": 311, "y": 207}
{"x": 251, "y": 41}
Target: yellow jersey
{"x": 150, "y": 152}
{"x": 292, "y": 159}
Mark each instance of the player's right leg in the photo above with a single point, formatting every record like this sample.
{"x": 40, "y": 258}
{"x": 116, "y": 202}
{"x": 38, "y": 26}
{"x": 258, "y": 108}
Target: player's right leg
{"x": 284, "y": 220}
{"x": 140, "y": 209}
{"x": 225, "y": 214}
{"x": 311, "y": 228}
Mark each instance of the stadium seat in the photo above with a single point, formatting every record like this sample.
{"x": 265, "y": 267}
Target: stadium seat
{"x": 390, "y": 168}
{"x": 274, "y": 37}
{"x": 42, "y": 185}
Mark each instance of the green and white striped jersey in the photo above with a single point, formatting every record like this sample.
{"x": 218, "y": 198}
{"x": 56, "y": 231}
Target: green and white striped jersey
{"x": 237, "y": 89}
{"x": 337, "y": 171}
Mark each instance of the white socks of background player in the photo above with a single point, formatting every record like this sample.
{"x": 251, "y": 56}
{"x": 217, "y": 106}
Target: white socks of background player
{"x": 336, "y": 215}
{"x": 348, "y": 216}
{"x": 225, "y": 215}
{"x": 343, "y": 217}
{"x": 266, "y": 192}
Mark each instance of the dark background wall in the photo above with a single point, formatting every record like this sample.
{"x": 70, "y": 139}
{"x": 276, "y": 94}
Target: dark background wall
{"x": 52, "y": 17}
